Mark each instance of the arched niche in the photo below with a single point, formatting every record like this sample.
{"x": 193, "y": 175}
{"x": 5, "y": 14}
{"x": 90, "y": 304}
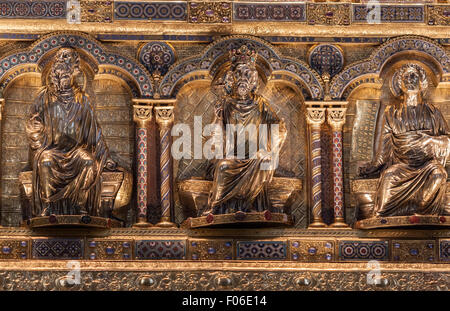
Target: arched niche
{"x": 197, "y": 98}
{"x": 110, "y": 91}
{"x": 368, "y": 96}
{"x": 272, "y": 65}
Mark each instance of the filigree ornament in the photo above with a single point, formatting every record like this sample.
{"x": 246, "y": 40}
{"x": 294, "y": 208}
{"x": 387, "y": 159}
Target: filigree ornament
{"x": 142, "y": 113}
{"x": 315, "y": 116}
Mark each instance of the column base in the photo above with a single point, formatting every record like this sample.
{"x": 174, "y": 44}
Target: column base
{"x": 317, "y": 224}
{"x": 339, "y": 224}
{"x": 166, "y": 224}
{"x": 142, "y": 223}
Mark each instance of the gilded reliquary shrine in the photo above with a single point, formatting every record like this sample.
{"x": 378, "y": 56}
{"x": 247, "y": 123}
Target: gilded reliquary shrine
{"x": 253, "y": 145}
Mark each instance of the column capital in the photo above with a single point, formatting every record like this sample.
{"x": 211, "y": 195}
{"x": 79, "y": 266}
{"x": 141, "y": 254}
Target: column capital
{"x": 164, "y": 115}
{"x": 315, "y": 116}
{"x": 142, "y": 114}
{"x": 336, "y": 117}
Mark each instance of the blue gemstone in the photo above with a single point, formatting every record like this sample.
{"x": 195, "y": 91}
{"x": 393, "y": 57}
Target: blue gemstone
{"x": 23, "y": 256}
{"x": 126, "y": 245}
{"x": 92, "y": 256}
{"x": 430, "y": 245}
{"x": 295, "y": 244}
{"x": 23, "y": 243}
{"x": 383, "y": 221}
{"x": 312, "y": 250}
{"x": 110, "y": 250}
{"x": 92, "y": 244}
{"x": 194, "y": 256}
{"x": 228, "y": 244}
{"x": 194, "y": 244}
{"x": 396, "y": 245}
{"x": 431, "y": 258}
{"x": 396, "y": 258}
{"x": 228, "y": 258}
{"x": 6, "y": 250}
{"x": 413, "y": 251}
{"x": 126, "y": 256}
{"x": 328, "y": 245}
{"x": 211, "y": 250}
{"x": 295, "y": 256}
{"x": 328, "y": 257}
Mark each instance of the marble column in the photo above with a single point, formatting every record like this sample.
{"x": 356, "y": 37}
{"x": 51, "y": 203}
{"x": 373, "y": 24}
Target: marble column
{"x": 142, "y": 115}
{"x": 164, "y": 118}
{"x": 336, "y": 119}
{"x": 315, "y": 117}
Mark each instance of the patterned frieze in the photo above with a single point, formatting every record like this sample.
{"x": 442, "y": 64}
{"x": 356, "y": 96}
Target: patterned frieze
{"x": 438, "y": 15}
{"x": 107, "y": 249}
{"x": 444, "y": 250}
{"x": 165, "y": 11}
{"x": 210, "y": 249}
{"x": 57, "y": 248}
{"x": 210, "y": 12}
{"x": 277, "y": 12}
{"x": 208, "y": 276}
{"x": 305, "y": 249}
{"x": 363, "y": 250}
{"x": 160, "y": 249}
{"x": 14, "y": 249}
{"x": 261, "y": 250}
{"x": 413, "y": 250}
{"x": 42, "y": 9}
{"x": 226, "y": 12}
{"x": 363, "y": 13}
{"x": 97, "y": 11}
{"x": 332, "y": 14}
{"x": 310, "y": 250}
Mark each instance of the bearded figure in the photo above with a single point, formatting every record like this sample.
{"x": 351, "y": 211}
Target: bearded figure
{"x": 69, "y": 151}
{"x": 241, "y": 181}
{"x": 413, "y": 153}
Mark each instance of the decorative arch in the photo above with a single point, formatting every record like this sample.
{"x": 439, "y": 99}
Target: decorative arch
{"x": 373, "y": 66}
{"x": 127, "y": 69}
{"x": 270, "y": 61}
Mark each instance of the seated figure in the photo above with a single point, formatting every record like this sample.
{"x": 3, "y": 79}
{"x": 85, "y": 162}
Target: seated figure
{"x": 69, "y": 153}
{"x": 240, "y": 184}
{"x": 413, "y": 153}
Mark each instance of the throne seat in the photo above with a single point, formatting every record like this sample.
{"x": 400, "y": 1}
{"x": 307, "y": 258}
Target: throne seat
{"x": 364, "y": 191}
{"x": 194, "y": 194}
{"x": 114, "y": 195}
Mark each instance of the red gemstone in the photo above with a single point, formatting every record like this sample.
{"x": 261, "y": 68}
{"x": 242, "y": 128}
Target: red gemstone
{"x": 52, "y": 219}
{"x": 239, "y": 215}
{"x": 414, "y": 219}
{"x": 210, "y": 218}
{"x": 267, "y": 215}
{"x": 442, "y": 219}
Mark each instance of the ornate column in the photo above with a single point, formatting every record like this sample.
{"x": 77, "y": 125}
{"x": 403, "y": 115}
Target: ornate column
{"x": 336, "y": 119}
{"x": 315, "y": 117}
{"x": 164, "y": 118}
{"x": 142, "y": 115}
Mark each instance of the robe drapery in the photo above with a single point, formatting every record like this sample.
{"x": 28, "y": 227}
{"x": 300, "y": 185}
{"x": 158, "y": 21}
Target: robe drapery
{"x": 414, "y": 151}
{"x": 69, "y": 155}
{"x": 241, "y": 184}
